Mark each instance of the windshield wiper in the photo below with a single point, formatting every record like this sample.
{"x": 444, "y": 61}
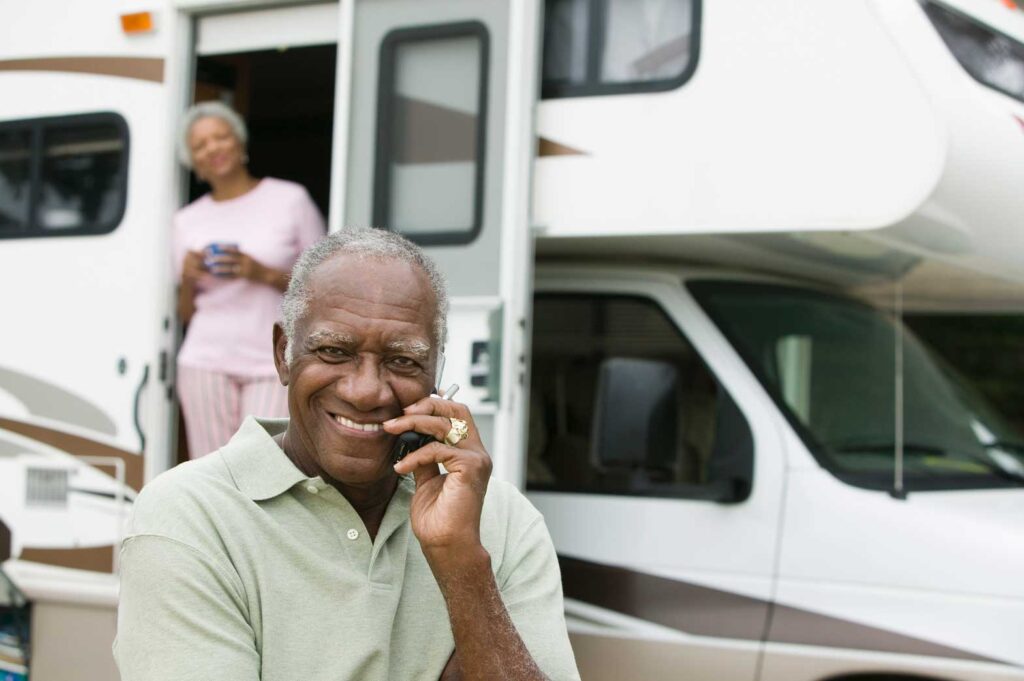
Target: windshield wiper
{"x": 917, "y": 449}
{"x": 909, "y": 448}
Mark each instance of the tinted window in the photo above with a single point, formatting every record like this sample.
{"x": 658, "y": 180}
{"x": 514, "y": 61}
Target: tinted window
{"x": 429, "y": 175}
{"x": 830, "y": 364}
{"x": 990, "y": 57}
{"x": 617, "y": 46}
{"x": 15, "y": 179}
{"x": 63, "y": 176}
{"x": 573, "y": 336}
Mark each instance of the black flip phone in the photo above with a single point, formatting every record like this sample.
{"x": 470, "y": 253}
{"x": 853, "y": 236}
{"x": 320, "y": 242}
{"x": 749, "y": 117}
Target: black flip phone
{"x": 410, "y": 440}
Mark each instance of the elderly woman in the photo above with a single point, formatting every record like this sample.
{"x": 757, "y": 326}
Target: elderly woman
{"x": 233, "y": 249}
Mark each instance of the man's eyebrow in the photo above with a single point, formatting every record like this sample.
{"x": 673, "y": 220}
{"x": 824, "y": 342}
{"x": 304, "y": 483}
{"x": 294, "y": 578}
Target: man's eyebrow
{"x": 411, "y": 345}
{"x": 322, "y": 337}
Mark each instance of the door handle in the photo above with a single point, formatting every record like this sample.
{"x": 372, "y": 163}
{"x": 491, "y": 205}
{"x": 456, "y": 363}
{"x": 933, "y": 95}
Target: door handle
{"x": 135, "y": 415}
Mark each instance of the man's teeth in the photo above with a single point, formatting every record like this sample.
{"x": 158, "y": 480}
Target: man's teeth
{"x": 370, "y": 427}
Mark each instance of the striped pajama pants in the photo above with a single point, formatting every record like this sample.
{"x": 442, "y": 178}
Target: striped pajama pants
{"x": 215, "y": 404}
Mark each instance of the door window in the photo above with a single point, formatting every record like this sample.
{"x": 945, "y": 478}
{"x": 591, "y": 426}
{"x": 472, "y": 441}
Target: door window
{"x": 709, "y": 445}
{"x": 63, "y": 176}
{"x": 428, "y": 181}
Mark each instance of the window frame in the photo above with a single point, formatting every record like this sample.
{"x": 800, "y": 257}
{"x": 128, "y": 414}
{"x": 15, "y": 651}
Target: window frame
{"x": 597, "y": 11}
{"x": 38, "y": 127}
{"x": 387, "y": 96}
{"x": 942, "y": 7}
{"x": 714, "y": 490}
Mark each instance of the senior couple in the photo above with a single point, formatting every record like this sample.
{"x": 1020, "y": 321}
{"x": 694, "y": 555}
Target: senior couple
{"x": 301, "y": 551}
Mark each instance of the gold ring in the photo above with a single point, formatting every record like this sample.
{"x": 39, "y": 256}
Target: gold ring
{"x": 458, "y": 433}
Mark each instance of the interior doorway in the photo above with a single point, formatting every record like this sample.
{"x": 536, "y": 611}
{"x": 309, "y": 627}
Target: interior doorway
{"x": 286, "y": 97}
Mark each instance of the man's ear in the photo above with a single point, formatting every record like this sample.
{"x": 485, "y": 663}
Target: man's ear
{"x": 280, "y": 345}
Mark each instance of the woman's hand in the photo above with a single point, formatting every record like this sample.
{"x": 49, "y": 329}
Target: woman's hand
{"x": 232, "y": 263}
{"x": 446, "y": 508}
{"x": 192, "y": 267}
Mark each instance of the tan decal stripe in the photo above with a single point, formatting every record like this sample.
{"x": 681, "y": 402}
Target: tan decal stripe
{"x": 793, "y": 625}
{"x": 94, "y": 559}
{"x": 546, "y": 147}
{"x": 687, "y": 607}
{"x": 140, "y": 68}
{"x": 703, "y": 611}
{"x": 430, "y": 133}
{"x": 80, "y": 446}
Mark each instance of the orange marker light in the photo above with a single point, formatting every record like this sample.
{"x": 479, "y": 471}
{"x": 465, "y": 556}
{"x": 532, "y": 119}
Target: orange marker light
{"x": 139, "y": 22}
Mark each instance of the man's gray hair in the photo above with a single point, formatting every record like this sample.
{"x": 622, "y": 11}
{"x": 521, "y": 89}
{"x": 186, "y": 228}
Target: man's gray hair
{"x": 366, "y": 243}
{"x": 208, "y": 110}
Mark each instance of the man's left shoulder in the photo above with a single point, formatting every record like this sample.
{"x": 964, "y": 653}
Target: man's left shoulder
{"x": 508, "y": 519}
{"x": 505, "y": 502}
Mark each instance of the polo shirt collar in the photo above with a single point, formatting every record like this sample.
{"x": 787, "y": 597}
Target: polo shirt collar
{"x": 262, "y": 470}
{"x": 259, "y": 467}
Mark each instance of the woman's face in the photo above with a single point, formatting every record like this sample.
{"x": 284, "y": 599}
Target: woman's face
{"x": 216, "y": 151}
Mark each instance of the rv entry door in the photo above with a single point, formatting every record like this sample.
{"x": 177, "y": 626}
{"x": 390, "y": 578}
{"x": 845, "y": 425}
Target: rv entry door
{"x": 439, "y": 116}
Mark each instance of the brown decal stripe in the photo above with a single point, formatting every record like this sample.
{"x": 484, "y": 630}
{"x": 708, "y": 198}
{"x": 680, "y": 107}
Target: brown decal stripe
{"x": 80, "y": 446}
{"x": 704, "y": 611}
{"x": 430, "y": 133}
{"x": 5, "y": 542}
{"x": 140, "y": 68}
{"x": 94, "y": 559}
{"x": 686, "y": 607}
{"x": 546, "y": 147}
{"x": 793, "y": 625}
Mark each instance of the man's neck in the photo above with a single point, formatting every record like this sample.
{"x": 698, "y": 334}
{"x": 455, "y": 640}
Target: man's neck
{"x": 369, "y": 501}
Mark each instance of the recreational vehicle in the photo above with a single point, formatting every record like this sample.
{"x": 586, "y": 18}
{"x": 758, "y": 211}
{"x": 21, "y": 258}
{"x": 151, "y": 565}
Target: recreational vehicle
{"x": 681, "y": 237}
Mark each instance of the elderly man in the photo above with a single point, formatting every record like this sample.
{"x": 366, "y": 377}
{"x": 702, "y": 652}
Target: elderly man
{"x": 301, "y": 551}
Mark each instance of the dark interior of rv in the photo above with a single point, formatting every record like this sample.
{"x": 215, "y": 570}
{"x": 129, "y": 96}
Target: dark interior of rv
{"x": 286, "y": 97}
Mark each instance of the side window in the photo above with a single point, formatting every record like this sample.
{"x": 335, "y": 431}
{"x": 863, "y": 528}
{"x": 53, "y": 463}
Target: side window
{"x": 15, "y": 179}
{"x": 63, "y": 176}
{"x": 599, "y": 47}
{"x": 991, "y": 58}
{"x": 428, "y": 179}
{"x": 709, "y": 450}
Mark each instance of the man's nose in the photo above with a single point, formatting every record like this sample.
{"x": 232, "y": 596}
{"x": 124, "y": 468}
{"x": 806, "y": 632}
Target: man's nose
{"x": 364, "y": 386}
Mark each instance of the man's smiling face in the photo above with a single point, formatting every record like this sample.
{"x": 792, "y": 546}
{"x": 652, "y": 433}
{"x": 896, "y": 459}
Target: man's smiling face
{"x": 363, "y": 351}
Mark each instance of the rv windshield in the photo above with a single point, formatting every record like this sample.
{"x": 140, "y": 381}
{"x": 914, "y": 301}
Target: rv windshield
{"x": 829, "y": 362}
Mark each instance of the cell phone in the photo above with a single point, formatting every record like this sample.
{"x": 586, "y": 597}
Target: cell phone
{"x": 410, "y": 440}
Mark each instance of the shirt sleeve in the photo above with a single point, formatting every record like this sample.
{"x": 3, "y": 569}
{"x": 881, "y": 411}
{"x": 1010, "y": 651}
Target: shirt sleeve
{"x": 531, "y": 587}
{"x": 181, "y": 615}
{"x": 309, "y": 224}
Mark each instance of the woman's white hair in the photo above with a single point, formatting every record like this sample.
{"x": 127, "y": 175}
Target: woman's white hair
{"x": 208, "y": 110}
{"x": 371, "y": 243}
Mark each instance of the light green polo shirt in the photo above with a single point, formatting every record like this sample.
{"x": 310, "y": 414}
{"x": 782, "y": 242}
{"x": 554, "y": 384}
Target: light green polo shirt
{"x": 238, "y": 567}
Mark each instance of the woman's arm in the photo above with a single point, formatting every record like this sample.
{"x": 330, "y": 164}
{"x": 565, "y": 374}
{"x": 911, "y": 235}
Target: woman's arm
{"x": 192, "y": 268}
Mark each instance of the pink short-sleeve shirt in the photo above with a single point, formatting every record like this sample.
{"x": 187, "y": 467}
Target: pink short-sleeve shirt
{"x": 231, "y": 330}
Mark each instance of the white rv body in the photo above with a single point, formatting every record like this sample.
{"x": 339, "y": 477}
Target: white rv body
{"x": 831, "y": 146}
